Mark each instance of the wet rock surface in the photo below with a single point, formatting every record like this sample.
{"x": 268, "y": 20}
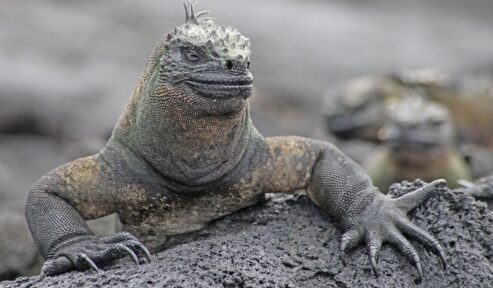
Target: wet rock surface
{"x": 292, "y": 243}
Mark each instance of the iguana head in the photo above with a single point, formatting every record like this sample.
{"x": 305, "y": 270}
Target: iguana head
{"x": 189, "y": 115}
{"x": 417, "y": 124}
{"x": 203, "y": 59}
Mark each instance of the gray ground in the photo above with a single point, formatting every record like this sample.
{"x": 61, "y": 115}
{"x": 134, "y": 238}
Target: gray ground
{"x": 291, "y": 243}
{"x": 67, "y": 67}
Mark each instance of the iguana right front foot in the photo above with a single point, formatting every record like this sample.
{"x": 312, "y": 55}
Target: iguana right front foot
{"x": 85, "y": 252}
{"x": 384, "y": 220}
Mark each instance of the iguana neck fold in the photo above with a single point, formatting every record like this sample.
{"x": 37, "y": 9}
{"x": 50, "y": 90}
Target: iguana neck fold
{"x": 191, "y": 149}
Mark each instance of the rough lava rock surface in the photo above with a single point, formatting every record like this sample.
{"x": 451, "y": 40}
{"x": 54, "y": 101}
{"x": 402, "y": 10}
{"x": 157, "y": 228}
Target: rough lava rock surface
{"x": 291, "y": 243}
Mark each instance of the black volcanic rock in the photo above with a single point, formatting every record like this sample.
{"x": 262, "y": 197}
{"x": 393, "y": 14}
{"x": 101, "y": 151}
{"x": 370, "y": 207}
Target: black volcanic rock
{"x": 292, "y": 243}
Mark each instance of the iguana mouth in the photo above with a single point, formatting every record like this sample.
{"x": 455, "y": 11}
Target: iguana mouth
{"x": 223, "y": 81}
{"x": 222, "y": 87}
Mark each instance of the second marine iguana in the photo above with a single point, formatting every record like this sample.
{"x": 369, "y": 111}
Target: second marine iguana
{"x": 185, "y": 152}
{"x": 357, "y": 110}
{"x": 418, "y": 142}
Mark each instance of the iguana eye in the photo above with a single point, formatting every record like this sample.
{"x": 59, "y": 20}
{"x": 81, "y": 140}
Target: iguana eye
{"x": 192, "y": 56}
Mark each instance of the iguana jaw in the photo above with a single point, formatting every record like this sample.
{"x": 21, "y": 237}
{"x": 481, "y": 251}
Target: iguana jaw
{"x": 211, "y": 86}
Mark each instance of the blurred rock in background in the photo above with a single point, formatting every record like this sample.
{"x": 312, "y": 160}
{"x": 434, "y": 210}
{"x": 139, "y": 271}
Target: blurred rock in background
{"x": 68, "y": 67}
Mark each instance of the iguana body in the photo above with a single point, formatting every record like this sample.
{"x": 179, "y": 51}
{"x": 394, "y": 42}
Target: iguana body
{"x": 418, "y": 142}
{"x": 184, "y": 152}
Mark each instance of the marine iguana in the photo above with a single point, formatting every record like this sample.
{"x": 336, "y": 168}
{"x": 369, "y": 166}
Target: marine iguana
{"x": 357, "y": 110}
{"x": 419, "y": 141}
{"x": 184, "y": 152}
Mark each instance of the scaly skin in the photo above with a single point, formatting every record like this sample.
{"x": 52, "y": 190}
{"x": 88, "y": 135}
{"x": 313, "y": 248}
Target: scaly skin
{"x": 184, "y": 153}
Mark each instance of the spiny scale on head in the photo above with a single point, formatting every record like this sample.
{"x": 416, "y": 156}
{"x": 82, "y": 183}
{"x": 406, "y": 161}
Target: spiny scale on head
{"x": 414, "y": 109}
{"x": 190, "y": 15}
{"x": 205, "y": 32}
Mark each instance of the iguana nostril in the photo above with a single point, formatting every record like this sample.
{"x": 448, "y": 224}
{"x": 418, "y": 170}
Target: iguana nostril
{"x": 229, "y": 64}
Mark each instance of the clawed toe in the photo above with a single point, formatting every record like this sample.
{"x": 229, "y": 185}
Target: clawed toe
{"x": 129, "y": 245}
{"x": 129, "y": 252}
{"x": 374, "y": 245}
{"x": 349, "y": 240}
{"x": 439, "y": 183}
{"x": 413, "y": 199}
{"x": 89, "y": 262}
{"x": 143, "y": 249}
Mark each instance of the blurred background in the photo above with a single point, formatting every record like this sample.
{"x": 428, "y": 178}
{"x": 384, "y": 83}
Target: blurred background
{"x": 68, "y": 67}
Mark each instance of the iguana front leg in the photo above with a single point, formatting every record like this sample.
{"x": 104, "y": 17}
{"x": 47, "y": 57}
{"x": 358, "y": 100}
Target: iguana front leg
{"x": 342, "y": 188}
{"x": 56, "y": 209}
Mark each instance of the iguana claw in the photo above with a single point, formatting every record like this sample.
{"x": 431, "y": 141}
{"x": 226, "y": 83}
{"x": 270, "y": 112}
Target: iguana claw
{"x": 90, "y": 262}
{"x": 129, "y": 252}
